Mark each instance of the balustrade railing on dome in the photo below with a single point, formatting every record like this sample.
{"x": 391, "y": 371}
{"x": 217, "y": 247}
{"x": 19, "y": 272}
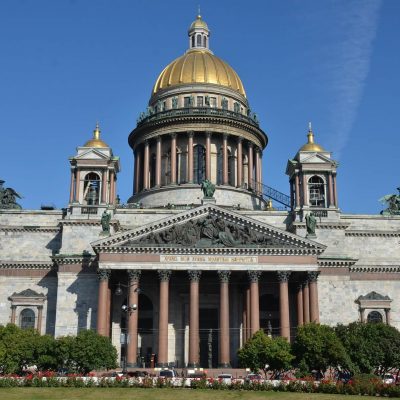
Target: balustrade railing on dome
{"x": 150, "y": 115}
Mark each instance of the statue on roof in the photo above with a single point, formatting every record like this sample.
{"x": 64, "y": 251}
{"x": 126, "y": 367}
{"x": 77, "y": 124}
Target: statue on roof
{"x": 393, "y": 203}
{"x": 208, "y": 188}
{"x": 311, "y": 223}
{"x": 8, "y": 198}
{"x": 105, "y": 222}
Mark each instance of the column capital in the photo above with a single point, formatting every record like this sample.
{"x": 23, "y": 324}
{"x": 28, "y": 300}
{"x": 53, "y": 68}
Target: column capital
{"x": 225, "y": 136}
{"x": 159, "y": 138}
{"x": 250, "y": 145}
{"x": 134, "y": 275}
{"x": 208, "y": 134}
{"x": 194, "y": 275}
{"x": 312, "y": 276}
{"x": 146, "y": 142}
{"x": 283, "y": 276}
{"x": 190, "y": 134}
{"x": 103, "y": 274}
{"x": 240, "y": 139}
{"x": 164, "y": 275}
{"x": 224, "y": 275}
{"x": 254, "y": 276}
{"x": 173, "y": 135}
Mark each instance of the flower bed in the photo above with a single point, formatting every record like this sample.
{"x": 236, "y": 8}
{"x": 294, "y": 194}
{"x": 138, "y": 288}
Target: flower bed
{"x": 373, "y": 387}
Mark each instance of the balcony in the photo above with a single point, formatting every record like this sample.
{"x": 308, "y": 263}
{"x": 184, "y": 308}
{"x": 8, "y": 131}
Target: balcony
{"x": 150, "y": 116}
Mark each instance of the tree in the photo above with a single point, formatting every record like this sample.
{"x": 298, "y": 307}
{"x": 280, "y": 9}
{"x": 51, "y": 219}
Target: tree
{"x": 317, "y": 348}
{"x": 260, "y": 351}
{"x": 17, "y": 348}
{"x": 92, "y": 351}
{"x": 371, "y": 347}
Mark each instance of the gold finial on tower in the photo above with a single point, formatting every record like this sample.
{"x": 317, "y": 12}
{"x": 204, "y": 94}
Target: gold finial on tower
{"x": 96, "y": 132}
{"x": 96, "y": 141}
{"x": 198, "y": 11}
{"x": 311, "y": 145}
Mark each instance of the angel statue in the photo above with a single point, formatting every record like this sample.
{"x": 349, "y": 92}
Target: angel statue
{"x": 105, "y": 222}
{"x": 393, "y": 203}
{"x": 8, "y": 198}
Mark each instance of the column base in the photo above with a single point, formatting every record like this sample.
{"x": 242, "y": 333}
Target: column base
{"x": 224, "y": 365}
{"x": 162, "y": 365}
{"x": 193, "y": 365}
{"x": 132, "y": 365}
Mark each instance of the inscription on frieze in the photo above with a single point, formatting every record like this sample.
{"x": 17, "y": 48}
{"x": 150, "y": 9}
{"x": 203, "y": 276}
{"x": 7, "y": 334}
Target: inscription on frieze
{"x": 209, "y": 259}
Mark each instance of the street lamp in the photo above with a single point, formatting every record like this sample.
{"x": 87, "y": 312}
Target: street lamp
{"x": 128, "y": 309}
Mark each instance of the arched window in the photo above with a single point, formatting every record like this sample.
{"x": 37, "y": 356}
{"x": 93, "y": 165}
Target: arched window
{"x": 199, "y": 163}
{"x": 153, "y": 170}
{"x": 220, "y": 166}
{"x": 205, "y": 41}
{"x": 316, "y": 191}
{"x": 374, "y": 317}
{"x": 193, "y": 41}
{"x": 91, "y": 192}
{"x": 198, "y": 40}
{"x": 27, "y": 319}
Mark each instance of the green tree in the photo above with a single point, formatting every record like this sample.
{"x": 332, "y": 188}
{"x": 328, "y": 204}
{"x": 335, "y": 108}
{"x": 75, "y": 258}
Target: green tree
{"x": 92, "y": 351}
{"x": 317, "y": 348}
{"x": 260, "y": 350}
{"x": 17, "y": 348}
{"x": 371, "y": 347}
{"x": 45, "y": 356}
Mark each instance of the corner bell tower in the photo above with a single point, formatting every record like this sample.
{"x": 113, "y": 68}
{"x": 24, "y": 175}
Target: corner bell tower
{"x": 94, "y": 170}
{"x": 312, "y": 178}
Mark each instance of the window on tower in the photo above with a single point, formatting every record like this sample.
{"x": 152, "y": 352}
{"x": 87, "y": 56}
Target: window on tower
{"x": 91, "y": 194}
{"x": 198, "y": 40}
{"x": 193, "y": 41}
{"x": 316, "y": 189}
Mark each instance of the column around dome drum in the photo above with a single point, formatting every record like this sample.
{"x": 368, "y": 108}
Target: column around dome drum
{"x": 173, "y": 158}
{"x": 258, "y": 171}
{"x": 146, "y": 165}
{"x": 158, "y": 161}
{"x": 239, "y": 162}
{"x": 190, "y": 156}
{"x": 225, "y": 159}
{"x": 250, "y": 165}
{"x": 208, "y": 155}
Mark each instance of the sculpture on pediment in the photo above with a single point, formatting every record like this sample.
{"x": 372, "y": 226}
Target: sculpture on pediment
{"x": 393, "y": 203}
{"x": 8, "y": 198}
{"x": 209, "y": 231}
{"x": 208, "y": 188}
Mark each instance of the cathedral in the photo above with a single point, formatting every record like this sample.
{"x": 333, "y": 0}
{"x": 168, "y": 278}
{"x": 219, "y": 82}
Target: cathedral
{"x": 201, "y": 256}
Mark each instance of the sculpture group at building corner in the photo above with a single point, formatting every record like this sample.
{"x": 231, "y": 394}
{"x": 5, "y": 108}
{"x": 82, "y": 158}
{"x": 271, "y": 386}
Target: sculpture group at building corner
{"x": 393, "y": 203}
{"x": 208, "y": 189}
{"x": 8, "y": 198}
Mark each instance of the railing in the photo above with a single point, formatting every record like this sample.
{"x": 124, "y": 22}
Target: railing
{"x": 271, "y": 193}
{"x": 150, "y": 116}
{"x": 89, "y": 210}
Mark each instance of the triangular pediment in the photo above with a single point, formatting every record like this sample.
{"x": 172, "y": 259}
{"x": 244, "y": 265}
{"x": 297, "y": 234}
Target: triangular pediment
{"x": 92, "y": 154}
{"x": 209, "y": 227}
{"x": 316, "y": 158}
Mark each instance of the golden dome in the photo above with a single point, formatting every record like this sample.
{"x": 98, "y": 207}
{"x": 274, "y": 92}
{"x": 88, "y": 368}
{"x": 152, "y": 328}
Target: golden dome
{"x": 310, "y": 145}
{"x": 96, "y": 141}
{"x": 198, "y": 23}
{"x": 199, "y": 66}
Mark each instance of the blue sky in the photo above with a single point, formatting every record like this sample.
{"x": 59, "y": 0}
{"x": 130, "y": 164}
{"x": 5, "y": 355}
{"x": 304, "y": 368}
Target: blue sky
{"x": 67, "y": 64}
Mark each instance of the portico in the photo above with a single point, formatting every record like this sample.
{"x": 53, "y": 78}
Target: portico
{"x": 208, "y": 295}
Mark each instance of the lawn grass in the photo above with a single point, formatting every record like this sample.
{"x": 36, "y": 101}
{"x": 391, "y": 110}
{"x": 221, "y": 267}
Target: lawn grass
{"x": 154, "y": 394}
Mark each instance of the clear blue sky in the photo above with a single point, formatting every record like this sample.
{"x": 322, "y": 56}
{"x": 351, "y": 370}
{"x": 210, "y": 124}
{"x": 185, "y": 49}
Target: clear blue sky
{"x": 67, "y": 64}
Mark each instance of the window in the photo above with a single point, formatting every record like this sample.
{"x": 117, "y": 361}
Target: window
{"x": 92, "y": 189}
{"x": 205, "y": 41}
{"x": 374, "y": 317}
{"x": 198, "y": 40}
{"x": 200, "y": 101}
{"x": 220, "y": 166}
{"x": 199, "y": 163}
{"x": 186, "y": 101}
{"x": 27, "y": 319}
{"x": 316, "y": 191}
{"x": 193, "y": 41}
{"x": 213, "y": 102}
{"x": 153, "y": 164}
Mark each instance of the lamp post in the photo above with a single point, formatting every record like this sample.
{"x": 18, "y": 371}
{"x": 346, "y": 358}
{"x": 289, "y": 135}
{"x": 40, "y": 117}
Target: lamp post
{"x": 128, "y": 309}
